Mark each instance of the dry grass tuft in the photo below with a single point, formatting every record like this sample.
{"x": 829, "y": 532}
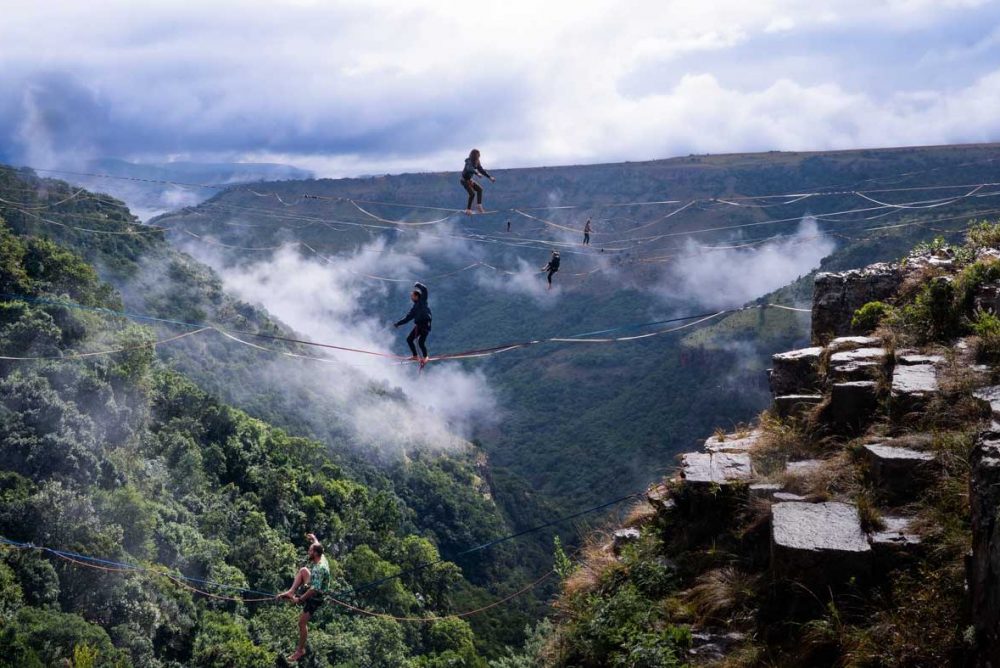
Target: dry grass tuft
{"x": 721, "y": 594}
{"x": 596, "y": 561}
{"x": 640, "y": 514}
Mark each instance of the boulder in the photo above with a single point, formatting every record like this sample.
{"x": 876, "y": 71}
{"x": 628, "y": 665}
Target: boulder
{"x": 622, "y": 537}
{"x": 912, "y": 387}
{"x": 658, "y": 496}
{"x": 705, "y": 469}
{"x": 858, "y": 364}
{"x": 795, "y": 405}
{"x": 984, "y": 564}
{"x": 852, "y": 405}
{"x": 836, "y": 296}
{"x": 818, "y": 543}
{"x": 989, "y": 397}
{"x": 796, "y": 371}
{"x": 899, "y": 473}
{"x": 710, "y": 646}
{"x": 895, "y": 540}
{"x": 740, "y": 442}
{"x": 987, "y": 297}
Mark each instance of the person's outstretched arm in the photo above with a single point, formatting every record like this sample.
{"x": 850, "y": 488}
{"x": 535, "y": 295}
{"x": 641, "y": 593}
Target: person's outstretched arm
{"x": 482, "y": 170}
{"x": 408, "y": 318}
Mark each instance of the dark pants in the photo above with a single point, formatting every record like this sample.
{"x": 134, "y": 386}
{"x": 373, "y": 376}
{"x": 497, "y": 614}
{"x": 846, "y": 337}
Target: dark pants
{"x": 586, "y": 238}
{"x": 418, "y": 333}
{"x": 475, "y": 192}
{"x": 551, "y": 271}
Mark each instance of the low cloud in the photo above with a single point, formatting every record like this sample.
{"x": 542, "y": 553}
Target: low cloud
{"x": 724, "y": 277}
{"x": 388, "y": 405}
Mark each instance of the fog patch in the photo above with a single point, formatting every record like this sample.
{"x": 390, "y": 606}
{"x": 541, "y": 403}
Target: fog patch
{"x": 723, "y": 277}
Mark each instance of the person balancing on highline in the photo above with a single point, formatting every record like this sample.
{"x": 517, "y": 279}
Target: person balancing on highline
{"x": 316, "y": 577}
{"x": 586, "y": 233}
{"x": 473, "y": 167}
{"x": 552, "y": 267}
{"x": 420, "y": 314}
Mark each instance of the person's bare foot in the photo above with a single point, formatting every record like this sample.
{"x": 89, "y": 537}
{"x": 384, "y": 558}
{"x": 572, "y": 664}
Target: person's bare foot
{"x": 468, "y": 212}
{"x": 286, "y": 594}
{"x": 294, "y": 658}
{"x": 424, "y": 361}
{"x": 480, "y": 208}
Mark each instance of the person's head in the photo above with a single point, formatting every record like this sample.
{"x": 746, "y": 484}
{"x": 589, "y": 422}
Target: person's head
{"x": 415, "y": 295}
{"x": 474, "y": 154}
{"x": 315, "y": 551}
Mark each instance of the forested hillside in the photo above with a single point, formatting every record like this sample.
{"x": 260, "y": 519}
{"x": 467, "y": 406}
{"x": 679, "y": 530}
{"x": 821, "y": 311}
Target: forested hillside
{"x": 125, "y": 457}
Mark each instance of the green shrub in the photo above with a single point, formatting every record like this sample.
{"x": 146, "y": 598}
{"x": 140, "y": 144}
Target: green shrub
{"x": 986, "y": 325}
{"x": 984, "y": 235}
{"x": 868, "y": 317}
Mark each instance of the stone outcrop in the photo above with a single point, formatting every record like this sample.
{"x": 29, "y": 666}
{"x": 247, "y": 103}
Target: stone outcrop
{"x": 857, "y": 364}
{"x": 705, "y": 469}
{"x": 898, "y": 473}
{"x": 989, "y": 397}
{"x": 836, "y": 296}
{"x": 795, "y": 405}
{"x": 795, "y": 372}
{"x": 739, "y": 442}
{"x": 912, "y": 386}
{"x": 818, "y": 543}
{"x": 622, "y": 537}
{"x": 984, "y": 565}
{"x": 852, "y": 404}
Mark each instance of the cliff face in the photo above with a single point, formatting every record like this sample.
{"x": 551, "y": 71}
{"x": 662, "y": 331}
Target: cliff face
{"x": 856, "y": 523}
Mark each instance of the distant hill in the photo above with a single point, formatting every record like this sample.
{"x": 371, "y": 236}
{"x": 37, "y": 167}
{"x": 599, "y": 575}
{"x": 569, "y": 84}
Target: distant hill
{"x": 142, "y": 185}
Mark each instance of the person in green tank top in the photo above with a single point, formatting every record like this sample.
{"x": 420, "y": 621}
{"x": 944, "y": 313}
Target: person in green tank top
{"x": 316, "y": 578}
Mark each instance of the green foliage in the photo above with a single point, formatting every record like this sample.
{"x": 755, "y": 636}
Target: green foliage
{"x": 44, "y": 637}
{"x": 984, "y": 235}
{"x": 563, "y": 565}
{"x": 224, "y": 643}
{"x": 868, "y": 317}
{"x": 986, "y": 326}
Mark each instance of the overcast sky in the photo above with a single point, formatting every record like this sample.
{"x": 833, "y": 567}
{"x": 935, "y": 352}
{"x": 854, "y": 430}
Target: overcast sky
{"x": 366, "y": 87}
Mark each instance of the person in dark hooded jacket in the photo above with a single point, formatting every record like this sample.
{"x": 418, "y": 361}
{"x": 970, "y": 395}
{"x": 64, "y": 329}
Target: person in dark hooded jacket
{"x": 420, "y": 314}
{"x": 552, "y": 267}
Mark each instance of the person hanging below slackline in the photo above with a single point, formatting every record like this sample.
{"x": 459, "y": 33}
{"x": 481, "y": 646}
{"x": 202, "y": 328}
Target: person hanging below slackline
{"x": 473, "y": 167}
{"x": 586, "y": 233}
{"x": 552, "y": 267}
{"x": 316, "y": 577}
{"x": 420, "y": 314}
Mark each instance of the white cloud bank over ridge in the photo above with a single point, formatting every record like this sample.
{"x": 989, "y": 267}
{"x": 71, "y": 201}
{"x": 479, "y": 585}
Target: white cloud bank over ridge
{"x": 368, "y": 87}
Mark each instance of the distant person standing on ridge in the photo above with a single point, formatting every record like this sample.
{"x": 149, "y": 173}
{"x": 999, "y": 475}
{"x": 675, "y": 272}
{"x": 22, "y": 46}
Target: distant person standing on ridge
{"x": 586, "y": 233}
{"x": 473, "y": 167}
{"x": 315, "y": 576}
{"x": 508, "y": 224}
{"x": 552, "y": 267}
{"x": 420, "y": 314}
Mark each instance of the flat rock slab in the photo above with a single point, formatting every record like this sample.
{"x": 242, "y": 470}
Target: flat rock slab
{"x": 723, "y": 468}
{"x": 899, "y": 473}
{"x": 818, "y": 527}
{"x": 898, "y": 533}
{"x": 764, "y": 490}
{"x": 851, "y": 342}
{"x": 859, "y": 364}
{"x": 659, "y": 497}
{"x": 913, "y": 359}
{"x": 739, "y": 442}
{"x": 914, "y": 380}
{"x": 818, "y": 543}
{"x": 787, "y": 496}
{"x": 789, "y": 405}
{"x": 796, "y": 371}
{"x": 803, "y": 467}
